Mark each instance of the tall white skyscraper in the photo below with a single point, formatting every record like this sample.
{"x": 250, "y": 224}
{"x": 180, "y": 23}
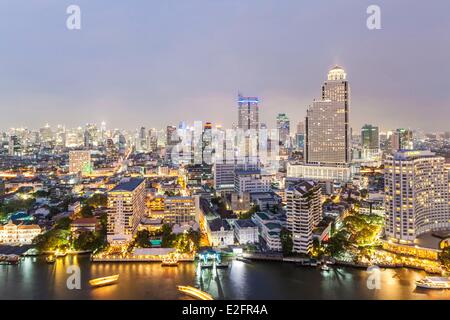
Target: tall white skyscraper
{"x": 304, "y": 212}
{"x": 416, "y": 195}
{"x": 327, "y": 123}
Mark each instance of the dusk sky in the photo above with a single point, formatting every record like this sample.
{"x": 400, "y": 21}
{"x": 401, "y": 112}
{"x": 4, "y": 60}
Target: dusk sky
{"x": 158, "y": 62}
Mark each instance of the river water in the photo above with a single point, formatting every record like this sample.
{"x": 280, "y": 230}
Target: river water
{"x": 35, "y": 279}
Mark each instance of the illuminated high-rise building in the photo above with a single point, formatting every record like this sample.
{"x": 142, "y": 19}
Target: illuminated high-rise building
{"x": 304, "y": 212}
{"x": 126, "y": 208}
{"x": 283, "y": 127}
{"x": 402, "y": 139}
{"x": 327, "y": 123}
{"x": 248, "y": 112}
{"x": 416, "y": 195}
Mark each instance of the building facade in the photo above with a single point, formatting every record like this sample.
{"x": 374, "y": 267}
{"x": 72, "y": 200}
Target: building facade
{"x": 304, "y": 213}
{"x": 11, "y": 233}
{"x": 126, "y": 207}
{"x": 179, "y": 210}
{"x": 416, "y": 195}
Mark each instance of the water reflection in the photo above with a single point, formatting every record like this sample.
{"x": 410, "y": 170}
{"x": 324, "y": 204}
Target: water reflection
{"x": 36, "y": 279}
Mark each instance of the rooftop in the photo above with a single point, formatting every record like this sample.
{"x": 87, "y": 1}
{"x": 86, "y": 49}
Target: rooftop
{"x": 245, "y": 223}
{"x": 129, "y": 186}
{"x": 217, "y": 224}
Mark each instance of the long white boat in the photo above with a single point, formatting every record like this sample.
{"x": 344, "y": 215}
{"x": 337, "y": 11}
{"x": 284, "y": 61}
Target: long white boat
{"x": 441, "y": 283}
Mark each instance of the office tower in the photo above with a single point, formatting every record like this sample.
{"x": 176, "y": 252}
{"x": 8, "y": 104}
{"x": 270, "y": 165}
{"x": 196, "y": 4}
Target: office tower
{"x": 251, "y": 180}
{"x": 224, "y": 176}
{"x": 141, "y": 140}
{"x": 14, "y": 146}
{"x": 327, "y": 123}
{"x": 46, "y": 135}
{"x": 171, "y": 136}
{"x": 248, "y": 112}
{"x": 402, "y": 139}
{"x": 283, "y": 126}
{"x": 112, "y": 153}
{"x": 60, "y": 136}
{"x": 304, "y": 212}
{"x": 300, "y": 136}
{"x": 416, "y": 195}
{"x": 370, "y": 142}
{"x": 179, "y": 210}
{"x": 370, "y": 137}
{"x": 80, "y": 162}
{"x": 207, "y": 141}
{"x": 126, "y": 207}
{"x": 152, "y": 140}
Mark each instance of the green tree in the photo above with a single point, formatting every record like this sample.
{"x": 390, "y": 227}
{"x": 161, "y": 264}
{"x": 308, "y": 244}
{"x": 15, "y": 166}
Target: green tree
{"x": 142, "y": 239}
{"x": 87, "y": 211}
{"x": 444, "y": 257}
{"x": 286, "y": 241}
{"x": 97, "y": 200}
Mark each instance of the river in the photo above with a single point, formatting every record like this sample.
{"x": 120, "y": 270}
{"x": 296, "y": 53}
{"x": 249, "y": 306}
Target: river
{"x": 34, "y": 279}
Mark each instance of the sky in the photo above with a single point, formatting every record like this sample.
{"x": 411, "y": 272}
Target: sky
{"x": 154, "y": 63}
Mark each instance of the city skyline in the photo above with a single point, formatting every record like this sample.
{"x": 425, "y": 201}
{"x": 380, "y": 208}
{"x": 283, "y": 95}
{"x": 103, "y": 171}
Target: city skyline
{"x": 107, "y": 72}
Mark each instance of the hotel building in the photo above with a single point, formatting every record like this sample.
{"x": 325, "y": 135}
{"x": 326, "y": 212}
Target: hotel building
{"x": 126, "y": 207}
{"x": 416, "y": 195}
{"x": 179, "y": 210}
{"x": 327, "y": 139}
{"x": 18, "y": 234}
{"x": 304, "y": 212}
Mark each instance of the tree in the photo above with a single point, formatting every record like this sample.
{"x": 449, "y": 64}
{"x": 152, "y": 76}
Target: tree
{"x": 87, "y": 211}
{"x": 286, "y": 241}
{"x": 88, "y": 241}
{"x": 249, "y": 213}
{"x": 444, "y": 257}
{"x": 142, "y": 239}
{"x": 63, "y": 223}
{"x": 97, "y": 200}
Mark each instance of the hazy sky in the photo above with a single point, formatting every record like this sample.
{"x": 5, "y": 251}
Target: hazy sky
{"x": 158, "y": 62}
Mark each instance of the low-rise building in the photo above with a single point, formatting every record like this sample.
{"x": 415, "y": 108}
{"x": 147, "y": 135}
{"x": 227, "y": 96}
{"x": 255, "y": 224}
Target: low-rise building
{"x": 84, "y": 225}
{"x": 269, "y": 230}
{"x": 246, "y": 231}
{"x": 18, "y": 234}
{"x": 179, "y": 210}
{"x": 219, "y": 233}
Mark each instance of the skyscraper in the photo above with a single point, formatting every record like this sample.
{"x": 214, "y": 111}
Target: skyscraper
{"x": 416, "y": 195}
{"x": 402, "y": 139}
{"x": 304, "y": 212}
{"x": 126, "y": 207}
{"x": 283, "y": 127}
{"x": 327, "y": 123}
{"x": 248, "y": 112}
{"x": 370, "y": 137}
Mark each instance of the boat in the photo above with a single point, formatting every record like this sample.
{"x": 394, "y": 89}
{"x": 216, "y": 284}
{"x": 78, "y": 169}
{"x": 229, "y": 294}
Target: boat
{"x": 50, "y": 259}
{"x": 105, "y": 281}
{"x": 169, "y": 262}
{"x": 195, "y": 293}
{"x": 207, "y": 265}
{"x": 439, "y": 283}
{"x": 59, "y": 254}
{"x": 10, "y": 259}
{"x": 324, "y": 267}
{"x": 222, "y": 265}
{"x": 242, "y": 259}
